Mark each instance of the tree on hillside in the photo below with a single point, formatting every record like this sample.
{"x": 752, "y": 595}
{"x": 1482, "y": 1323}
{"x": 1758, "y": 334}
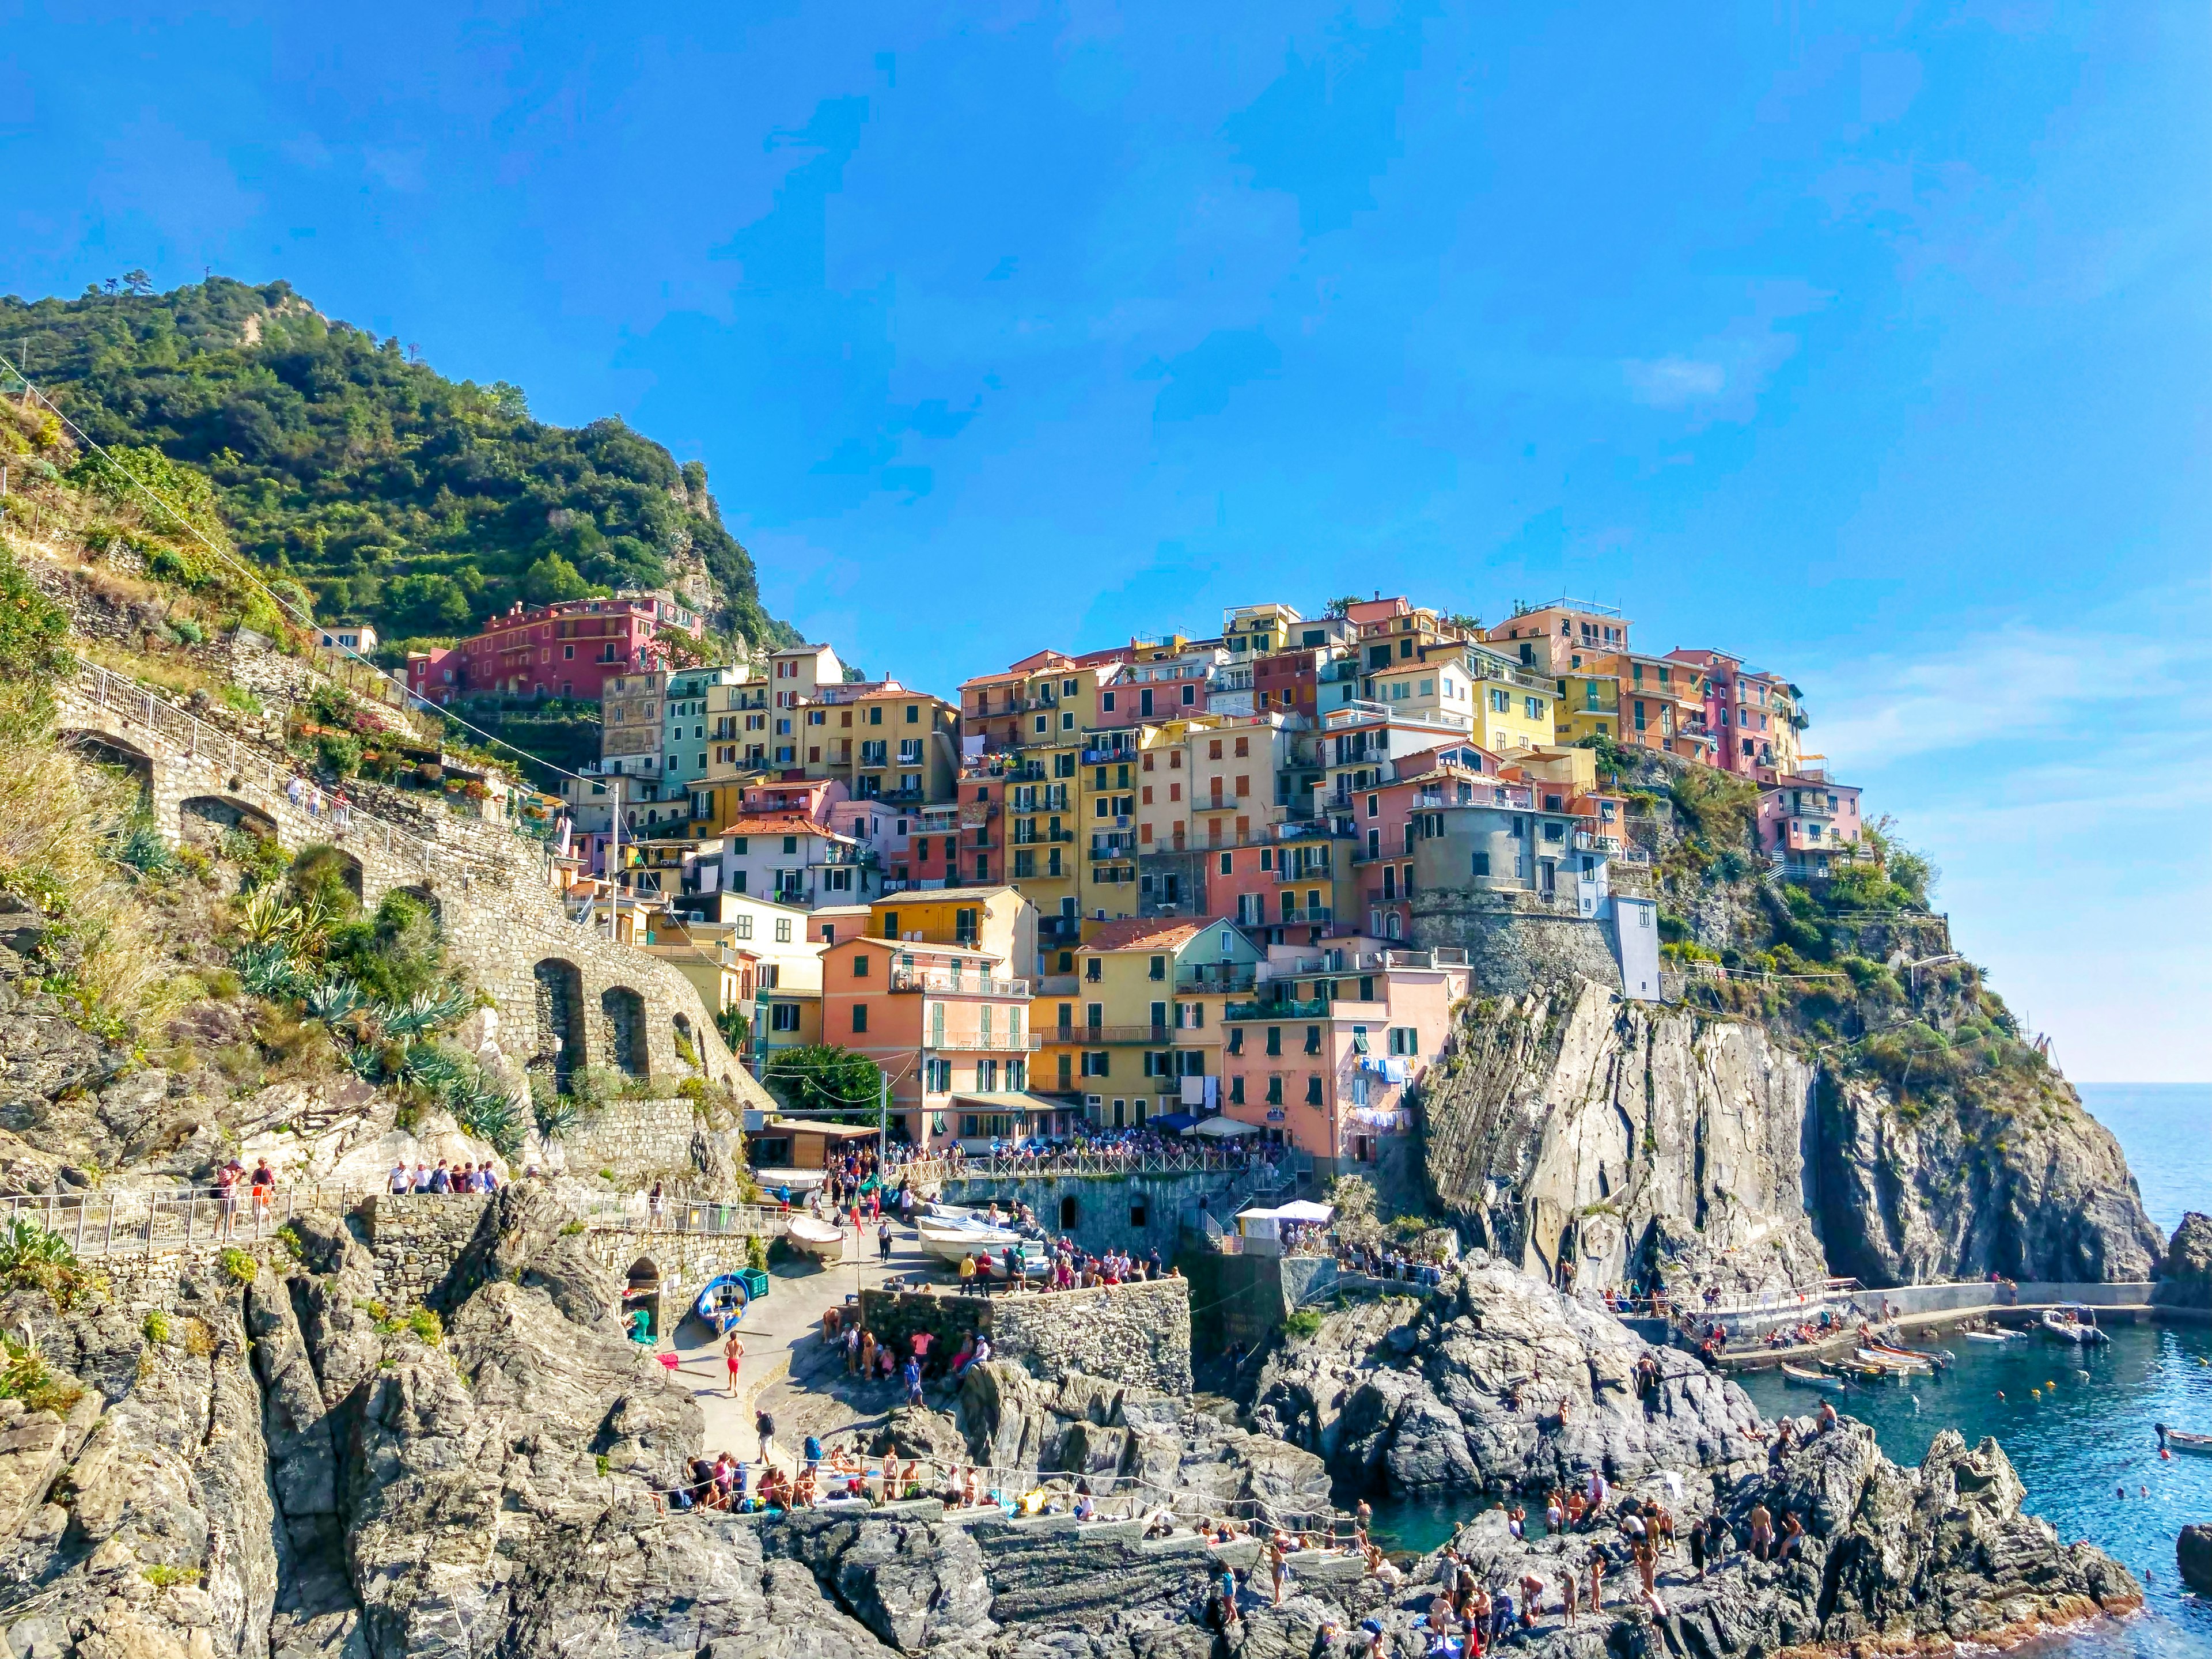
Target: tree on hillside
{"x": 343, "y": 463}
{"x": 822, "y": 1077}
{"x": 552, "y": 579}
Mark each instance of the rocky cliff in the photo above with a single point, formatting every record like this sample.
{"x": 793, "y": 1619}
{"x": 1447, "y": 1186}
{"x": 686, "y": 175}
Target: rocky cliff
{"x": 1725, "y": 1151}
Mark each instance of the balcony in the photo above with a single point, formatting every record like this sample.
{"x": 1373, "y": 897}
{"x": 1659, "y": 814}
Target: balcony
{"x": 1288, "y": 1008}
{"x": 943, "y": 980}
{"x": 1158, "y": 1036}
{"x": 1107, "y": 757}
{"x": 1212, "y": 976}
{"x": 1585, "y": 841}
{"x": 1298, "y": 915}
{"x": 1018, "y": 1042}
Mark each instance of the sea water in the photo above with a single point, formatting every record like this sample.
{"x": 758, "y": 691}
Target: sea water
{"x": 2075, "y": 1439}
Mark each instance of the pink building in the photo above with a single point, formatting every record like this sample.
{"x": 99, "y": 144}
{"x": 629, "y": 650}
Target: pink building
{"x": 1321, "y": 1060}
{"x": 566, "y": 650}
{"x": 1807, "y": 824}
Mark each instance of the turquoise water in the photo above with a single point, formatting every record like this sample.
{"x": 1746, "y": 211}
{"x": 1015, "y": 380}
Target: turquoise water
{"x": 2085, "y": 1436}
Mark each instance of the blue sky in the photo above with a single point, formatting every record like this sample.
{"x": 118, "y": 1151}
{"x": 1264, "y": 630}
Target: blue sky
{"x": 1871, "y": 341}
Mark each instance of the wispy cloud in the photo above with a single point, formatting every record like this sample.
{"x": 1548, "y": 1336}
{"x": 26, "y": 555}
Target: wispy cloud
{"x": 1721, "y": 377}
{"x": 2085, "y": 687}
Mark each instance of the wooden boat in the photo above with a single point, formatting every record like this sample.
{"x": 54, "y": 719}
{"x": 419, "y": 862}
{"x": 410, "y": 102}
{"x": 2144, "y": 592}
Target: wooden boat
{"x": 2176, "y": 1440}
{"x": 722, "y": 1304}
{"x": 1799, "y": 1379}
{"x": 2076, "y": 1324}
{"x": 1891, "y": 1362}
{"x": 818, "y": 1238}
{"x": 1851, "y": 1371}
{"x": 1936, "y": 1358}
{"x": 951, "y": 1243}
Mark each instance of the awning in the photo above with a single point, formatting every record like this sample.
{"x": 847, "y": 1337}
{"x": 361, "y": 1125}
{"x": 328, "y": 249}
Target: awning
{"x": 1175, "y": 1122}
{"x": 1304, "y": 1209}
{"x": 1009, "y": 1100}
{"x": 1224, "y": 1128}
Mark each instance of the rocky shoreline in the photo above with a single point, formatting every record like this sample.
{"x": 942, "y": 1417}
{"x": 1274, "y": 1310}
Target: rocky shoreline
{"x": 283, "y": 1468}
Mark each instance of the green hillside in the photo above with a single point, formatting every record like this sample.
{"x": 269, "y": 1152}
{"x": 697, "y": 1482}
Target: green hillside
{"x": 392, "y": 494}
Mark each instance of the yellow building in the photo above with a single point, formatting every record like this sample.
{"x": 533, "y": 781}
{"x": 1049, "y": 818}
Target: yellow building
{"x": 1106, "y": 824}
{"x": 1141, "y": 1013}
{"x": 1514, "y": 707}
{"x": 998, "y": 922}
{"x": 881, "y": 741}
{"x": 738, "y": 735}
{"x": 1588, "y": 707}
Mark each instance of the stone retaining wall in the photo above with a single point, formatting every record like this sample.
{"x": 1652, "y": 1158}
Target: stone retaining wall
{"x": 1118, "y": 1210}
{"x": 641, "y": 1141}
{"x": 415, "y": 1239}
{"x": 1136, "y": 1334}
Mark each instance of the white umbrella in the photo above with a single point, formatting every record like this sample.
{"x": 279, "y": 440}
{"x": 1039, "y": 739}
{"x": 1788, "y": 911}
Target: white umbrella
{"x": 1222, "y": 1127}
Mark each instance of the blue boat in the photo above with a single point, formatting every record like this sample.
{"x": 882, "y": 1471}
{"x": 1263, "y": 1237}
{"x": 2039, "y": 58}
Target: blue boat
{"x": 722, "y": 1304}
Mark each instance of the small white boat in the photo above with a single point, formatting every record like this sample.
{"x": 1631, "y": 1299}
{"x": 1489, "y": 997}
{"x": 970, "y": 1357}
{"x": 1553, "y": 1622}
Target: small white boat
{"x": 816, "y": 1239}
{"x": 951, "y": 1243}
{"x": 1992, "y": 1336}
{"x": 1798, "y": 1378}
{"x": 2176, "y": 1440}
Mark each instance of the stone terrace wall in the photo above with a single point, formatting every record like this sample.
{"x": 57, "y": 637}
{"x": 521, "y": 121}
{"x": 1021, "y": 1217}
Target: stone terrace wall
{"x": 640, "y": 1140}
{"x": 1130, "y": 1334}
{"x": 1134, "y": 1333}
{"x": 416, "y": 1239}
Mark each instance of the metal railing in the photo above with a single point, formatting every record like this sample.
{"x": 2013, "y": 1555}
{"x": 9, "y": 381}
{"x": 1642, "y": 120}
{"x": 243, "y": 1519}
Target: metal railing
{"x": 1019, "y": 1042}
{"x": 139, "y": 1221}
{"x": 1106, "y": 1160}
{"x": 936, "y": 979}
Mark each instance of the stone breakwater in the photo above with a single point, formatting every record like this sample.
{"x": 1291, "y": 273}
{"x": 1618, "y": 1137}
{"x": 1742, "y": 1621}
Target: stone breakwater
{"x": 280, "y": 1469}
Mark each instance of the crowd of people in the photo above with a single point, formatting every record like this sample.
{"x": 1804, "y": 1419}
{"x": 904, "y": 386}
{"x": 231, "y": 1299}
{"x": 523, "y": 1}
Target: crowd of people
{"x": 465, "y": 1177}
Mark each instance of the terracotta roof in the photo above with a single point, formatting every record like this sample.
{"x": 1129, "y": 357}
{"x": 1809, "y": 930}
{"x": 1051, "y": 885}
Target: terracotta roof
{"x": 1160, "y": 932}
{"x": 780, "y": 823}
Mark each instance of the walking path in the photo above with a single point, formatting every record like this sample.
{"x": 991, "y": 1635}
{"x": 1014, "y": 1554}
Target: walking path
{"x": 781, "y": 1332}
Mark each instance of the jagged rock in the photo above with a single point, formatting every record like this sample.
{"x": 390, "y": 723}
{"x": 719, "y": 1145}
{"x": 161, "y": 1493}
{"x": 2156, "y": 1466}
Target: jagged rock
{"x": 1465, "y": 1392}
{"x": 916, "y": 1586}
{"x": 524, "y": 1237}
{"x": 2192, "y": 1553}
{"x": 1632, "y": 1135}
{"x": 2188, "y": 1272}
{"x": 916, "y": 1431}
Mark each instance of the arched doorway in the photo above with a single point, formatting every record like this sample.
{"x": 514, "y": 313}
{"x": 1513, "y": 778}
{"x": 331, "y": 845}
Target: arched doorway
{"x": 625, "y": 1012}
{"x": 559, "y": 999}
{"x": 1067, "y": 1211}
{"x": 641, "y": 1294}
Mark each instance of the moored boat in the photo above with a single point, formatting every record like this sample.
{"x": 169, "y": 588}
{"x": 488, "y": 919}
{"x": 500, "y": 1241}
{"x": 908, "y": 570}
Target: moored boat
{"x": 2076, "y": 1324}
{"x": 1799, "y": 1379}
{"x": 2177, "y": 1440}
{"x": 1992, "y": 1336}
{"x": 1938, "y": 1359}
{"x": 951, "y": 1243}
{"x": 1891, "y": 1362}
{"x": 722, "y": 1302}
{"x": 818, "y": 1238}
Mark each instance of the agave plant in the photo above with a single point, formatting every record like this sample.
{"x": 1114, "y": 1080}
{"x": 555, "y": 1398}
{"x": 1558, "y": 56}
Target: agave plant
{"x": 268, "y": 970}
{"x": 144, "y": 851}
{"x": 489, "y": 1115}
{"x": 333, "y": 1001}
{"x": 429, "y": 1066}
{"x": 425, "y": 1010}
{"x": 556, "y": 1116}
{"x": 263, "y": 918}
{"x": 311, "y": 925}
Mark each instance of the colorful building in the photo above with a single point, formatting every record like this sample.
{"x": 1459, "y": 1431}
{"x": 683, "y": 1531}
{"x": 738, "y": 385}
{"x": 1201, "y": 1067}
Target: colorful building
{"x": 566, "y": 650}
{"x": 1808, "y": 825}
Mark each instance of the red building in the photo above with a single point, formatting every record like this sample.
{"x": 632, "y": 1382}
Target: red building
{"x": 566, "y": 650}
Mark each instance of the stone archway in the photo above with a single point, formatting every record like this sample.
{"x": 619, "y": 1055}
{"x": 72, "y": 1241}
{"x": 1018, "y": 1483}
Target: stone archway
{"x": 689, "y": 1049}
{"x": 207, "y": 818}
{"x": 641, "y": 1292}
{"x": 104, "y": 751}
{"x": 625, "y": 1014}
{"x": 560, "y": 997}
{"x": 423, "y": 895}
{"x": 322, "y": 856}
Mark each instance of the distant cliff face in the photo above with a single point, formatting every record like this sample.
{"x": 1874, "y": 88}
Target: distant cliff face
{"x": 1571, "y": 1123}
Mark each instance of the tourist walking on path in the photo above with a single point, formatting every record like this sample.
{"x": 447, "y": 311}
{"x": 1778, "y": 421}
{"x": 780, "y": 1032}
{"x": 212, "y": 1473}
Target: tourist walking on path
{"x": 884, "y": 1241}
{"x": 764, "y": 1432}
{"x": 733, "y": 1356}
